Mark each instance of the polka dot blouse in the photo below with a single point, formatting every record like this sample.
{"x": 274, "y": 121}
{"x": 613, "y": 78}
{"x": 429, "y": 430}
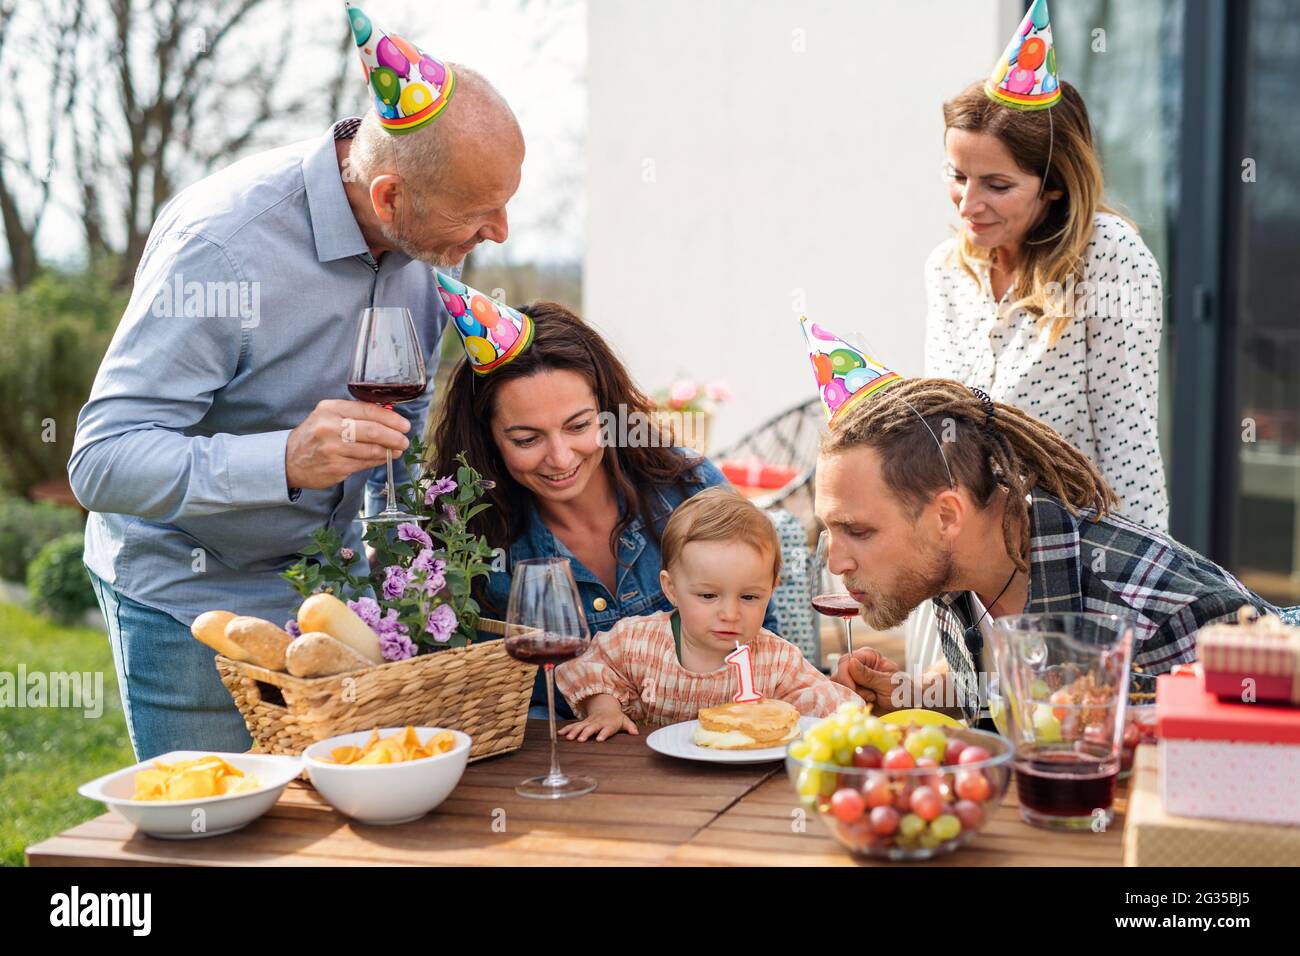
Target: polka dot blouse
{"x": 1097, "y": 385}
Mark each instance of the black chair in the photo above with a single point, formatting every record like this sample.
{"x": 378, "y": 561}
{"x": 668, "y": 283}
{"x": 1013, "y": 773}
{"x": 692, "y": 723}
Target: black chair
{"x": 789, "y": 440}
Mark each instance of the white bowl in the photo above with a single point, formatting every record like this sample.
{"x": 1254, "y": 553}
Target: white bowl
{"x": 386, "y": 793}
{"x": 202, "y": 817}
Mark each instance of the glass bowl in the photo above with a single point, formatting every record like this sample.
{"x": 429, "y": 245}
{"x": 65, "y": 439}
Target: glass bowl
{"x": 905, "y": 814}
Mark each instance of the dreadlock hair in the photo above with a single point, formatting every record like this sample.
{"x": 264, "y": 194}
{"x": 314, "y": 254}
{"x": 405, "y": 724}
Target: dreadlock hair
{"x": 984, "y": 451}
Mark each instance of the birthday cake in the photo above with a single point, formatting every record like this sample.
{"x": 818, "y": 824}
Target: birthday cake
{"x": 750, "y": 726}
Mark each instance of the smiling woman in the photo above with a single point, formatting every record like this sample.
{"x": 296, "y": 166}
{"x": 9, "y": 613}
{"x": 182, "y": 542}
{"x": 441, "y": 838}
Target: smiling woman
{"x": 566, "y": 486}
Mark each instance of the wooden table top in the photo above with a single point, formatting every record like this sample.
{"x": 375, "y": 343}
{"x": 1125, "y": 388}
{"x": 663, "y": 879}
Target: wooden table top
{"x": 647, "y": 810}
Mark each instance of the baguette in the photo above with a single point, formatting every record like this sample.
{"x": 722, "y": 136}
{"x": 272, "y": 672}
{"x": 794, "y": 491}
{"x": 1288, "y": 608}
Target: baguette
{"x": 326, "y": 613}
{"x": 316, "y": 654}
{"x": 263, "y": 642}
{"x": 210, "y": 628}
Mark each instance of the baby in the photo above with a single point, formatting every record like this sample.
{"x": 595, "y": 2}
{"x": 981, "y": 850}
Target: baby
{"x": 721, "y": 562}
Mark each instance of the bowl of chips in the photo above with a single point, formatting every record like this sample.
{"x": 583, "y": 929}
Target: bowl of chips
{"x": 188, "y": 794}
{"x": 388, "y": 775}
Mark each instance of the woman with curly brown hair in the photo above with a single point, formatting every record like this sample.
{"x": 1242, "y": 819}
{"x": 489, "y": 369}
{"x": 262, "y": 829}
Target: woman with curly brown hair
{"x": 571, "y": 481}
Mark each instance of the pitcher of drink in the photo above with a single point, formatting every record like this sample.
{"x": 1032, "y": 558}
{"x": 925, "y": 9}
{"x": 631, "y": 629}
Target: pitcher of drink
{"x": 1064, "y": 682}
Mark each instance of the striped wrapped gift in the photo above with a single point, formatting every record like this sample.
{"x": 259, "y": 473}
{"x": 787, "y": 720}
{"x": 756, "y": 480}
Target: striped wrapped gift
{"x": 1252, "y": 660}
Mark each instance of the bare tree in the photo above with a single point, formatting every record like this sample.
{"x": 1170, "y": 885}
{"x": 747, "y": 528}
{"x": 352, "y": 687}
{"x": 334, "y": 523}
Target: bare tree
{"x": 26, "y": 171}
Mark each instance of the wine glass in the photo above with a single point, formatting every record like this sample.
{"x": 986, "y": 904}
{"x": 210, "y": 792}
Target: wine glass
{"x": 545, "y": 625}
{"x": 830, "y": 602}
{"x": 387, "y": 368}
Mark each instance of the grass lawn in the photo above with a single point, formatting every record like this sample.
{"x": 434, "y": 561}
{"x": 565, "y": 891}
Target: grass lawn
{"x": 46, "y": 753}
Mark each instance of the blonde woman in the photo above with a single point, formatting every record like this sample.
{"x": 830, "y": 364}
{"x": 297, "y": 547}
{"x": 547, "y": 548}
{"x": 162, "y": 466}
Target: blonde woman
{"x": 1046, "y": 298}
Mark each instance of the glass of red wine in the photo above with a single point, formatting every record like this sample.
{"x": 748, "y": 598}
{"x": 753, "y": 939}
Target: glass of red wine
{"x": 1064, "y": 685}
{"x": 545, "y": 625}
{"x": 834, "y": 603}
{"x": 387, "y": 369}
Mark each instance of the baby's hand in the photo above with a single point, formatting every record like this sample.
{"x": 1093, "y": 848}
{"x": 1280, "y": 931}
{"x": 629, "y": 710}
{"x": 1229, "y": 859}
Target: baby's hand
{"x": 603, "y": 724}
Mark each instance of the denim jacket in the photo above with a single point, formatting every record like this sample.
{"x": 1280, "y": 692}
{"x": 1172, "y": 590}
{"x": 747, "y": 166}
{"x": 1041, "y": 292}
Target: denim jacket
{"x": 637, "y": 592}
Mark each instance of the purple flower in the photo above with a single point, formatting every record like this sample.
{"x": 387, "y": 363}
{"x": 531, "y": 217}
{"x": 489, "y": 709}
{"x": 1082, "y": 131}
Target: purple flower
{"x": 441, "y": 623}
{"x": 367, "y": 609}
{"x": 433, "y": 569}
{"x": 410, "y": 531}
{"x": 347, "y": 554}
{"x": 396, "y": 646}
{"x": 442, "y": 486}
{"x": 391, "y": 624}
{"x": 396, "y": 579}
{"x": 291, "y": 627}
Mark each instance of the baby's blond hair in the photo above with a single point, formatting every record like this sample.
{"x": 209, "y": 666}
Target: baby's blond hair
{"x": 719, "y": 514}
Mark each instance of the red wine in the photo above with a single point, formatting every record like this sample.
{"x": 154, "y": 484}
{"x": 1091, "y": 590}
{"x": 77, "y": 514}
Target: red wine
{"x": 544, "y": 649}
{"x": 836, "y": 605}
{"x": 1063, "y": 783}
{"x": 386, "y": 394}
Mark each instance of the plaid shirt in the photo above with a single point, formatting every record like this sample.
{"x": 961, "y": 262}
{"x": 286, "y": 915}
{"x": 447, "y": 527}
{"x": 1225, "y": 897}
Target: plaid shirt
{"x": 1111, "y": 566}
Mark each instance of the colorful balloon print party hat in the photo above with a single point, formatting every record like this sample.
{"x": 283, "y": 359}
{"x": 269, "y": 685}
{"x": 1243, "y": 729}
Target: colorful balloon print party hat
{"x": 845, "y": 375}
{"x": 1025, "y": 77}
{"x": 410, "y": 87}
{"x": 491, "y": 331}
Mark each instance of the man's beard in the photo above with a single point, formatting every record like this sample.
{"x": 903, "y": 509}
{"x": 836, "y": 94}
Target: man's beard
{"x": 418, "y": 252}
{"x": 887, "y": 611}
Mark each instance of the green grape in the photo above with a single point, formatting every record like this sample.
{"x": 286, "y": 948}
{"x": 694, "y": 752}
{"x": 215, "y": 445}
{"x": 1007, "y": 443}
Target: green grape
{"x": 844, "y": 756}
{"x": 800, "y": 749}
{"x": 930, "y": 840}
{"x": 838, "y": 738}
{"x": 809, "y": 783}
{"x": 821, "y": 751}
{"x": 910, "y": 826}
{"x": 934, "y": 753}
{"x": 945, "y": 827}
{"x": 859, "y": 736}
{"x": 1046, "y": 727}
{"x": 874, "y": 726}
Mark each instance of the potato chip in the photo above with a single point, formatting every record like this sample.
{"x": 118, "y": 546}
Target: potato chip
{"x": 207, "y": 776}
{"x": 395, "y": 748}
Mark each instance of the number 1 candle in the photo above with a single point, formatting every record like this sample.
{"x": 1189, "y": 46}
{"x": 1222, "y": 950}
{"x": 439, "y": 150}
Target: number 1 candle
{"x": 740, "y": 659}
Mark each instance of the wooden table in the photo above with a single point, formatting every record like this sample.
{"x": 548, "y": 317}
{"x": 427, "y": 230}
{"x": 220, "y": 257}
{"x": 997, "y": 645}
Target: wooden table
{"x": 648, "y": 810}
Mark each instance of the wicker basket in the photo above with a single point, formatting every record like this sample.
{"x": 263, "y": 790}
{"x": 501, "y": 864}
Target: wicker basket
{"x": 478, "y": 690}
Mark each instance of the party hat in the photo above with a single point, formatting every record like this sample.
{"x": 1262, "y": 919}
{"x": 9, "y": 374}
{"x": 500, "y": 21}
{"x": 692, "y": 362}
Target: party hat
{"x": 1025, "y": 77}
{"x": 491, "y": 331}
{"x": 844, "y": 374}
{"x": 410, "y": 87}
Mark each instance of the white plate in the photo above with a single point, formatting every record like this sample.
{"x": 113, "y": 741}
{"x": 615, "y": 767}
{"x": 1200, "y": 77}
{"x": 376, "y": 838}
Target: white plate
{"x": 206, "y": 816}
{"x": 678, "y": 740}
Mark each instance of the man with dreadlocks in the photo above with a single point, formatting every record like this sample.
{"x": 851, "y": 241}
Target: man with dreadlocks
{"x": 933, "y": 492}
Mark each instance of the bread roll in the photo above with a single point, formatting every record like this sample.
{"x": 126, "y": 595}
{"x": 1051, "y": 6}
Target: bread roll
{"x": 210, "y": 628}
{"x": 324, "y": 612}
{"x": 318, "y": 655}
{"x": 263, "y": 642}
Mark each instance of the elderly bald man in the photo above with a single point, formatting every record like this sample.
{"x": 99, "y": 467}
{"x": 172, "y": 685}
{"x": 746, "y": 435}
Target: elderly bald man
{"x": 213, "y": 444}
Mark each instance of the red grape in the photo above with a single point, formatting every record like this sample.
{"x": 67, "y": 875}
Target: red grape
{"x": 848, "y": 805}
{"x": 903, "y": 799}
{"x": 884, "y": 821}
{"x": 955, "y": 746}
{"x": 969, "y": 813}
{"x": 926, "y": 803}
{"x": 898, "y": 759}
{"x": 973, "y": 754}
{"x": 878, "y": 792}
{"x": 867, "y": 757}
{"x": 973, "y": 785}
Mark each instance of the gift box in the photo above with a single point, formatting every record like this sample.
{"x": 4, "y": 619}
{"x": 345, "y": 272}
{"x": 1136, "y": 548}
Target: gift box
{"x": 1226, "y": 761}
{"x": 1252, "y": 660}
{"x": 1155, "y": 837}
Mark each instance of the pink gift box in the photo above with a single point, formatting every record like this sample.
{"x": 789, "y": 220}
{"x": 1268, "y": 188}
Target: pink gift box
{"x": 1226, "y": 761}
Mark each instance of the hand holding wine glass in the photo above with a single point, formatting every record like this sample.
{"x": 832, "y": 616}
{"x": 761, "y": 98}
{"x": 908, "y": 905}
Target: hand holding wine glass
{"x": 387, "y": 369}
{"x": 340, "y": 438}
